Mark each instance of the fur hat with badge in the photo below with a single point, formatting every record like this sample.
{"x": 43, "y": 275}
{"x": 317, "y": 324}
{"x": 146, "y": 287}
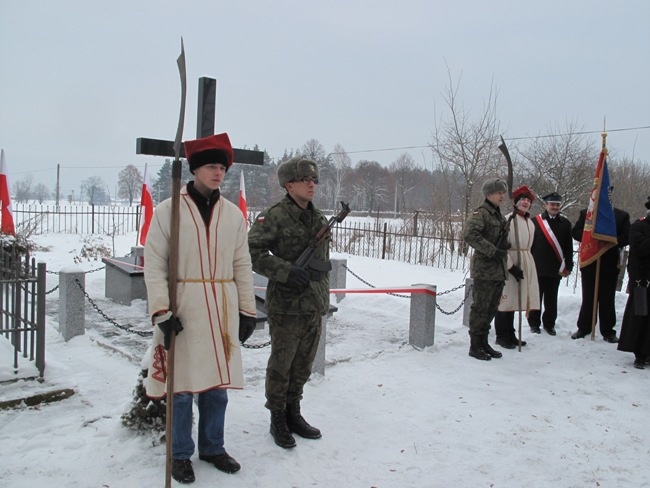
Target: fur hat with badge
{"x": 214, "y": 149}
{"x": 521, "y": 192}
{"x": 494, "y": 185}
{"x": 296, "y": 169}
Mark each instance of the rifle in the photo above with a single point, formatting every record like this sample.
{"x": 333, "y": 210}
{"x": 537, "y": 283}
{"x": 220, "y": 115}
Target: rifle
{"x": 503, "y": 234}
{"x": 306, "y": 259}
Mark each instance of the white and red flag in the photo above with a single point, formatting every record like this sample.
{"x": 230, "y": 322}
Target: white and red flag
{"x": 146, "y": 207}
{"x": 242, "y": 197}
{"x": 5, "y": 198}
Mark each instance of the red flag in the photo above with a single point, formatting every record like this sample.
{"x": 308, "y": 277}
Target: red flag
{"x": 146, "y": 207}
{"x": 242, "y": 197}
{"x": 5, "y": 198}
{"x": 599, "y": 233}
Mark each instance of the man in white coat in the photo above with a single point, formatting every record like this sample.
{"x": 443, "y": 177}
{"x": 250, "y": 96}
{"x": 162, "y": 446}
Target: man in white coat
{"x": 521, "y": 292}
{"x": 215, "y": 306}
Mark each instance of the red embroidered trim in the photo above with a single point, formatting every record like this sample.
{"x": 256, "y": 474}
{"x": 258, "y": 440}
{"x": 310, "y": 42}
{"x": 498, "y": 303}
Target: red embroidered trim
{"x": 159, "y": 364}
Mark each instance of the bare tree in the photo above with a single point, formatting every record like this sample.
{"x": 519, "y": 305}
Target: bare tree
{"x": 403, "y": 170}
{"x": 631, "y": 182}
{"x": 41, "y": 193}
{"x": 341, "y": 168}
{"x": 370, "y": 185}
{"x": 467, "y": 146}
{"x": 563, "y": 161}
{"x": 129, "y": 183}
{"x": 22, "y": 189}
{"x": 93, "y": 187}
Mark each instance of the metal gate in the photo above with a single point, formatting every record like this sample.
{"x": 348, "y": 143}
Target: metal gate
{"x": 22, "y": 308}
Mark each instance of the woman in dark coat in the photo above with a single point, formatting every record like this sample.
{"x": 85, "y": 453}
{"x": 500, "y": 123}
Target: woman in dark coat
{"x": 635, "y": 330}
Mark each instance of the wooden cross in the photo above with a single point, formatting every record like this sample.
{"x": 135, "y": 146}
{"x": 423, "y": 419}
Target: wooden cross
{"x": 204, "y": 128}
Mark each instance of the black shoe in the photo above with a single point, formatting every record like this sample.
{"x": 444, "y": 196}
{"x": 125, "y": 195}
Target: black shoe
{"x": 488, "y": 348}
{"x": 298, "y": 425}
{"x": 280, "y": 431}
{"x": 505, "y": 343}
{"x": 611, "y": 338}
{"x": 639, "y": 363}
{"x": 550, "y": 330}
{"x": 223, "y": 462}
{"x": 515, "y": 341}
{"x": 535, "y": 329}
{"x": 182, "y": 470}
{"x": 579, "y": 334}
{"x": 476, "y": 349}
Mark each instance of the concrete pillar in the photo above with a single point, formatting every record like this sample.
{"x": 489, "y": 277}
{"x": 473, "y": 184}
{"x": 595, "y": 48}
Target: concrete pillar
{"x": 319, "y": 361}
{"x": 468, "y": 301}
{"x": 72, "y": 320}
{"x": 423, "y": 317}
{"x": 338, "y": 276}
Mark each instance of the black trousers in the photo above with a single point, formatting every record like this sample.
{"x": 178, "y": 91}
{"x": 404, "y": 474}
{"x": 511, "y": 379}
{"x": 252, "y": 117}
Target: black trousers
{"x": 606, "y": 300}
{"x": 548, "y": 288}
{"x": 504, "y": 325}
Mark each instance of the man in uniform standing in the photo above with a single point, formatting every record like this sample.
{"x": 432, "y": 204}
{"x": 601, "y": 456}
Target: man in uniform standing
{"x": 609, "y": 268}
{"x": 482, "y": 232}
{"x": 552, "y": 251}
{"x": 296, "y": 298}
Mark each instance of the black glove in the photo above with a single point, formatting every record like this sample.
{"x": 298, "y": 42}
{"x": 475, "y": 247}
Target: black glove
{"x": 246, "y": 327}
{"x": 298, "y": 276}
{"x": 516, "y": 272}
{"x": 500, "y": 254}
{"x": 505, "y": 245}
{"x": 169, "y": 325}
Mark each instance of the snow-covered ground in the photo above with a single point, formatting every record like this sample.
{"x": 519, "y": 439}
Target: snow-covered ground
{"x": 561, "y": 413}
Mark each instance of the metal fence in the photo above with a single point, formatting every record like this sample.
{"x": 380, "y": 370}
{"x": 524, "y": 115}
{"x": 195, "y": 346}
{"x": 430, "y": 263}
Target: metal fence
{"x": 384, "y": 241}
{"x": 82, "y": 219}
{"x": 22, "y": 307}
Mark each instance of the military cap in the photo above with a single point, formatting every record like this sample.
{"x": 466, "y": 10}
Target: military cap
{"x": 295, "y": 169}
{"x": 494, "y": 185}
{"x": 214, "y": 149}
{"x": 552, "y": 198}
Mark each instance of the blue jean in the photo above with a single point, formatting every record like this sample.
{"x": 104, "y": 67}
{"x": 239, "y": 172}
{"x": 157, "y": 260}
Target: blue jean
{"x": 212, "y": 416}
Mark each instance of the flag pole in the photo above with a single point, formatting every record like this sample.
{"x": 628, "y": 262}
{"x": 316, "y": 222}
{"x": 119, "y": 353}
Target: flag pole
{"x": 139, "y": 218}
{"x": 172, "y": 275}
{"x": 597, "y": 280}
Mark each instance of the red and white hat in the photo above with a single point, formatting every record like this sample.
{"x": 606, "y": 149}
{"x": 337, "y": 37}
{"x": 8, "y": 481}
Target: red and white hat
{"x": 214, "y": 149}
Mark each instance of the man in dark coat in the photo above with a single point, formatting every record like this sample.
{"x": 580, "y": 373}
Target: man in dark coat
{"x": 552, "y": 251}
{"x": 609, "y": 266}
{"x": 635, "y": 329}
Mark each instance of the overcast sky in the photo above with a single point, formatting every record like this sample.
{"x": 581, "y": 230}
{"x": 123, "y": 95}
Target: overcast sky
{"x": 80, "y": 81}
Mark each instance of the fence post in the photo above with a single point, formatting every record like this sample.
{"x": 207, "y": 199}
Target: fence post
{"x": 338, "y": 276}
{"x": 422, "y": 324}
{"x": 468, "y": 301}
{"x": 40, "y": 319}
{"x": 383, "y": 247}
{"x": 71, "y": 302}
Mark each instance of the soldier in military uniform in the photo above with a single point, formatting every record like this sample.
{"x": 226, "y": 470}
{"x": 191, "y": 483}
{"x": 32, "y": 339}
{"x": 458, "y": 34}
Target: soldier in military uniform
{"x": 482, "y": 231}
{"x": 552, "y": 250}
{"x": 296, "y": 298}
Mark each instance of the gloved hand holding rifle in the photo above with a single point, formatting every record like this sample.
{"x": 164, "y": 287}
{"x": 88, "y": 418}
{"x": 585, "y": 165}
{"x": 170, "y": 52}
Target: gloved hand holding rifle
{"x": 307, "y": 267}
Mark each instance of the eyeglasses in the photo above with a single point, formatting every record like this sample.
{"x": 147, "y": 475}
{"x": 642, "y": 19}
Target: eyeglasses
{"x": 307, "y": 180}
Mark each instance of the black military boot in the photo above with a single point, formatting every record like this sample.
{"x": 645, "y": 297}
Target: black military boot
{"x": 488, "y": 348}
{"x": 298, "y": 425}
{"x": 280, "y": 430}
{"x": 476, "y": 349}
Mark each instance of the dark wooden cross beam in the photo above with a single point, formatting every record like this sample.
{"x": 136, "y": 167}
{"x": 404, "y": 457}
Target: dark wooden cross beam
{"x": 204, "y": 128}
